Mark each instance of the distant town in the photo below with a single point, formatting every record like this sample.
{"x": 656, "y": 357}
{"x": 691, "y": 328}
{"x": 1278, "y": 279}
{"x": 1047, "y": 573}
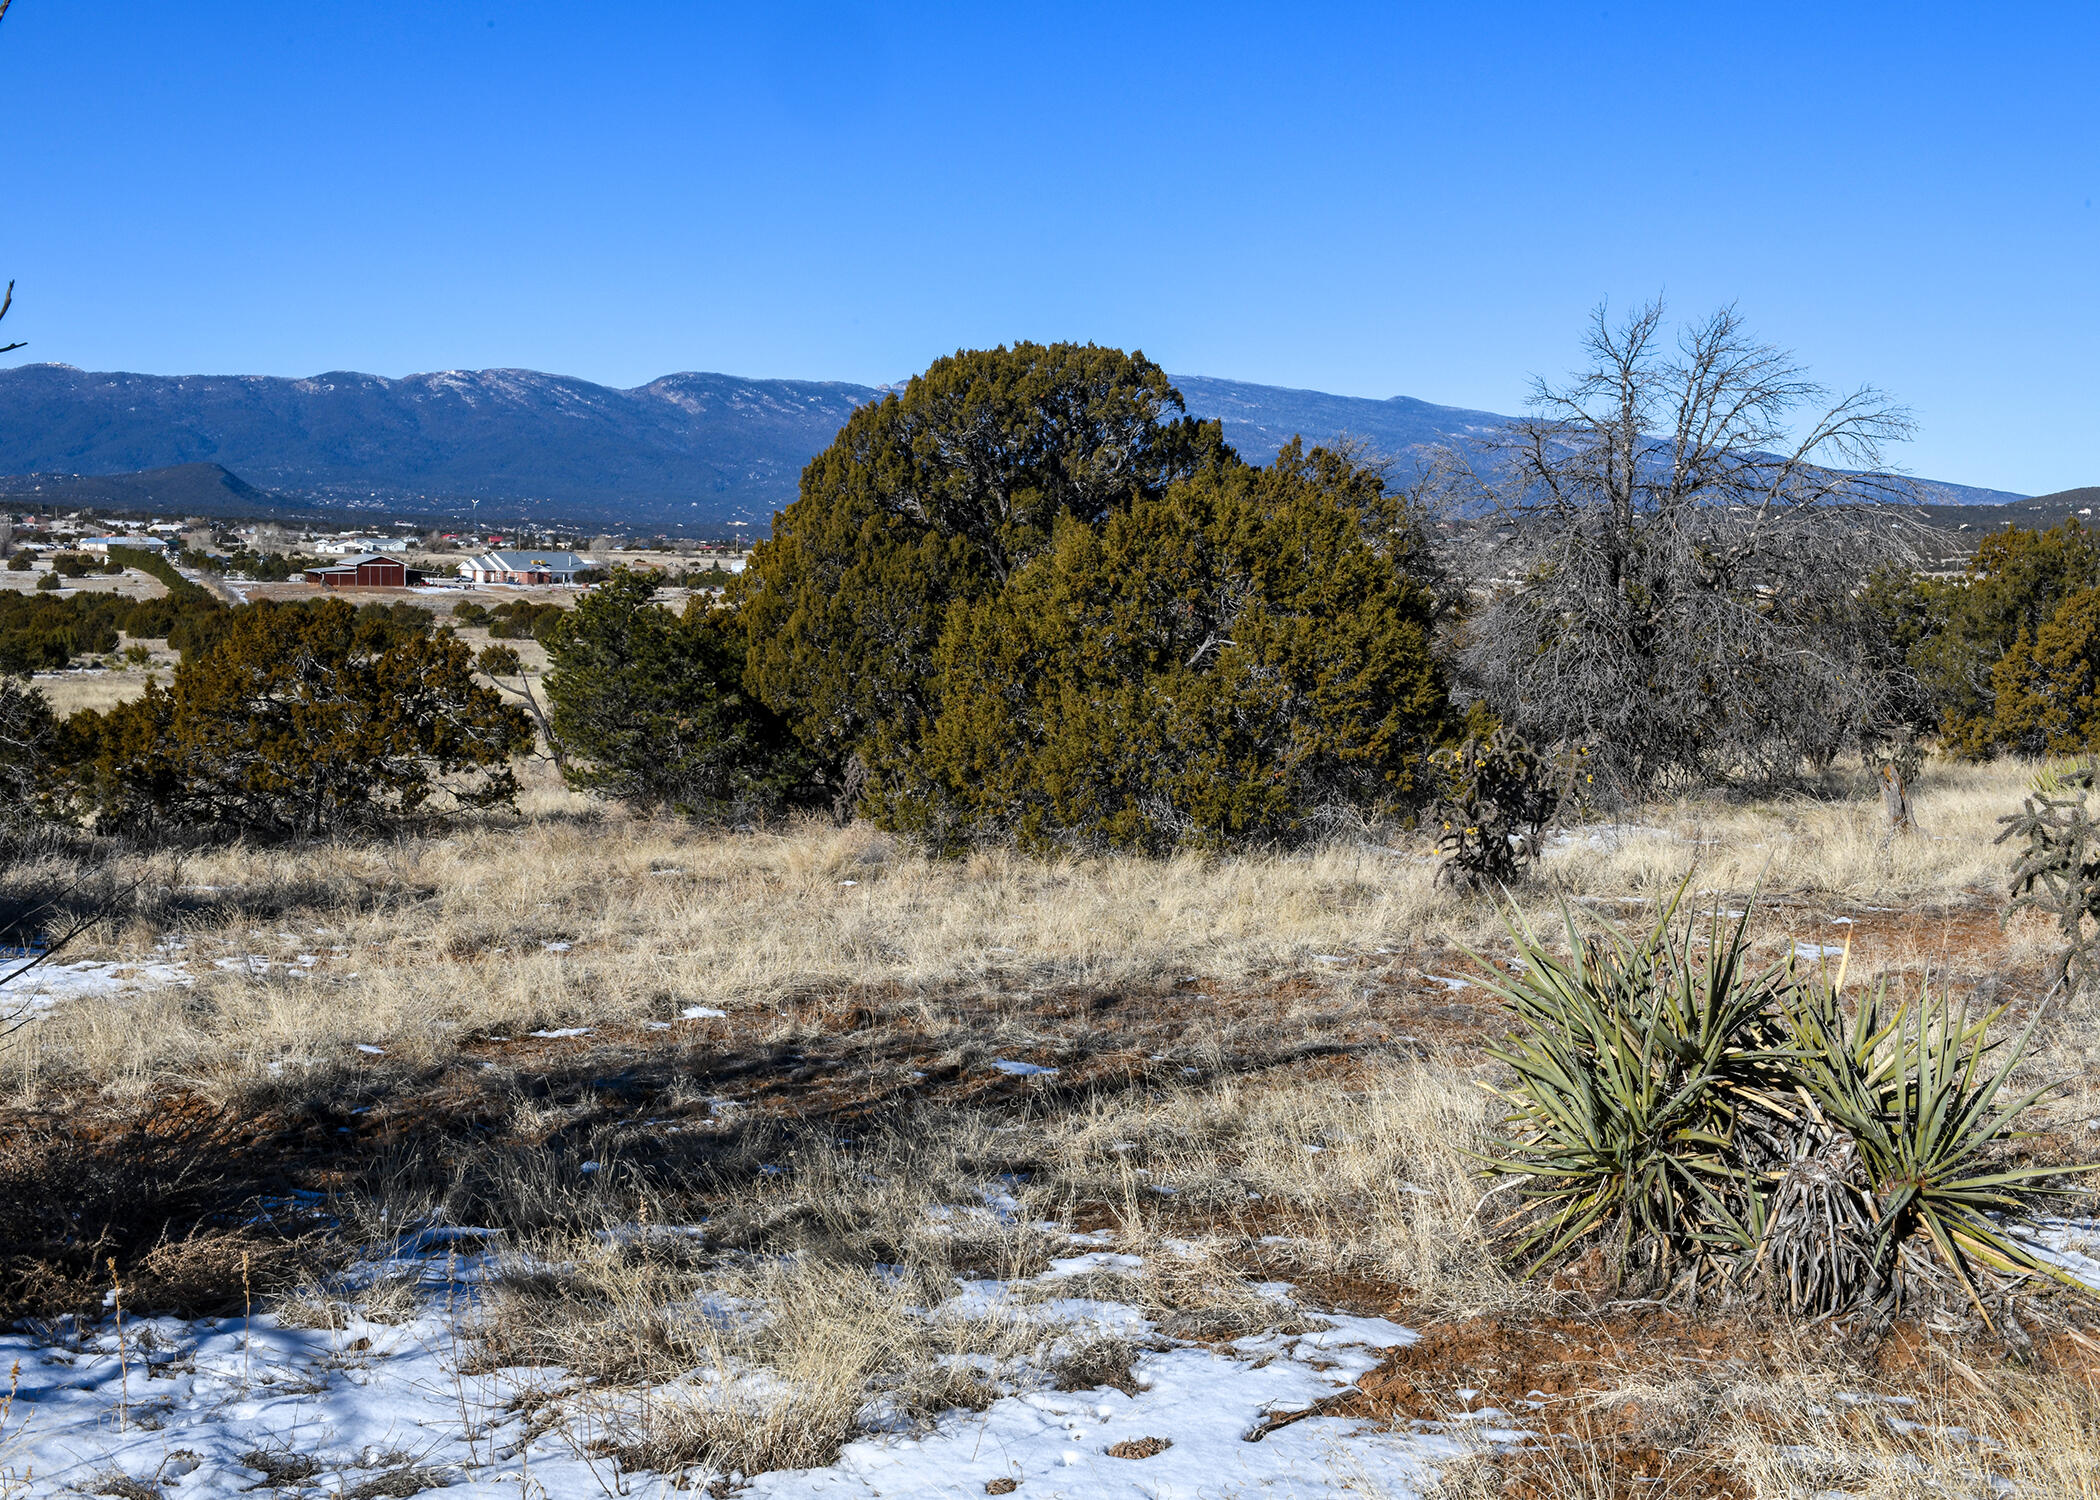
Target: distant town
{"x": 55, "y": 552}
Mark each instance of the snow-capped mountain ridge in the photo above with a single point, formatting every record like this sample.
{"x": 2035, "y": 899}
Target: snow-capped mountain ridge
{"x": 690, "y": 448}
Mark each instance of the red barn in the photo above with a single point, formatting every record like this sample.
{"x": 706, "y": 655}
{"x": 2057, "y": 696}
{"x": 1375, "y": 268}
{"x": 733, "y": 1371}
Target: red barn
{"x": 374, "y": 570}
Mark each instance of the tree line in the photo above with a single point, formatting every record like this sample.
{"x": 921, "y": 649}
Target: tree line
{"x": 1029, "y": 599}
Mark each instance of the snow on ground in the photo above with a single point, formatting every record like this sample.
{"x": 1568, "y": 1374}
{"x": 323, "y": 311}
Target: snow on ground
{"x": 224, "y": 1407}
{"x": 1204, "y": 1403}
{"x": 29, "y": 989}
{"x": 1605, "y": 836}
{"x": 228, "y": 1407}
{"x": 2072, "y": 1244}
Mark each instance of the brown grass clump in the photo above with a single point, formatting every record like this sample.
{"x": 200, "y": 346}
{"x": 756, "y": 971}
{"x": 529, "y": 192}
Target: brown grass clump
{"x": 1145, "y": 1447}
{"x": 1626, "y": 1406}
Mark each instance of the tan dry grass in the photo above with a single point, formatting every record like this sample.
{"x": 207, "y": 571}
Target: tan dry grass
{"x": 422, "y": 942}
{"x": 1292, "y": 1172}
{"x": 1981, "y": 1433}
{"x": 1836, "y": 847}
{"x": 131, "y": 583}
{"x": 100, "y": 689}
{"x": 1371, "y": 1179}
{"x": 1803, "y": 1426}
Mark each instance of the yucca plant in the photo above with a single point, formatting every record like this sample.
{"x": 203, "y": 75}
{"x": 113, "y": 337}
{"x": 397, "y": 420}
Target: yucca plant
{"x": 1917, "y": 1102}
{"x": 1643, "y": 1075}
{"x": 1717, "y": 1122}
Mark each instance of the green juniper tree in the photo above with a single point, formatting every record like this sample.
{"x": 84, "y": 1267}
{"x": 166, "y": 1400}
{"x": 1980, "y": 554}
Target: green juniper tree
{"x": 302, "y": 720}
{"x": 930, "y": 500}
{"x": 649, "y": 707}
{"x": 1244, "y": 657}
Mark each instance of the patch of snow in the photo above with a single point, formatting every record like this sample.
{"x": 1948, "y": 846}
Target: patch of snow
{"x": 1021, "y": 1069}
{"x": 403, "y": 1408}
{"x": 554, "y": 1033}
{"x": 702, "y": 1013}
{"x": 1815, "y": 951}
{"x": 29, "y": 988}
{"x": 2072, "y": 1245}
{"x": 1605, "y": 836}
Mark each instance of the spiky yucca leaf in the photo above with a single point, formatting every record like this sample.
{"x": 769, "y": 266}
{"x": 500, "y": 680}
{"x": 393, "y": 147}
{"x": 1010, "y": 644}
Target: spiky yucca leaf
{"x": 1639, "y": 1066}
{"x": 1925, "y": 1108}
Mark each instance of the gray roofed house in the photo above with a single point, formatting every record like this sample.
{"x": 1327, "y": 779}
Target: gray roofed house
{"x": 525, "y": 567}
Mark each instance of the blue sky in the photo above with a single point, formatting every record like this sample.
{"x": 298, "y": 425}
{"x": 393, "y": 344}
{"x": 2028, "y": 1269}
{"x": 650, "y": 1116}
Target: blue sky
{"x": 1373, "y": 200}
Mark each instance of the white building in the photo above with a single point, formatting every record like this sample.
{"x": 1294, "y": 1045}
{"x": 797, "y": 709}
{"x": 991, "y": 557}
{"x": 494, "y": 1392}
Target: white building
{"x": 358, "y": 546}
{"x": 524, "y": 567}
{"x": 104, "y": 543}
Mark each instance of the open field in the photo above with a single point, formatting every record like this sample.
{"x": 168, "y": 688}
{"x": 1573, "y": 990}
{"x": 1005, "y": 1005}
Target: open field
{"x": 590, "y": 1154}
{"x": 130, "y": 584}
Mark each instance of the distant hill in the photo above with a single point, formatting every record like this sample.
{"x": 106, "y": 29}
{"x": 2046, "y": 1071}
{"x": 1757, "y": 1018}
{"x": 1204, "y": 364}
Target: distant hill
{"x": 183, "y": 490}
{"x": 685, "y": 450}
{"x": 2063, "y": 503}
{"x": 1259, "y": 419}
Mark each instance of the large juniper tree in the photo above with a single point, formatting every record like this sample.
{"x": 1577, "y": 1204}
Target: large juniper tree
{"x": 933, "y": 498}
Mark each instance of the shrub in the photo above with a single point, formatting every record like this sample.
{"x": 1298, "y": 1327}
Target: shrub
{"x": 73, "y": 564}
{"x": 27, "y": 732}
{"x": 1719, "y": 1126}
{"x": 1495, "y": 796}
{"x": 1900, "y": 1155}
{"x": 930, "y": 500}
{"x": 302, "y": 720}
{"x": 156, "y": 566}
{"x": 21, "y": 562}
{"x": 2045, "y": 689}
{"x": 1241, "y": 658}
{"x": 1637, "y": 1063}
{"x": 397, "y": 621}
{"x": 50, "y": 581}
{"x": 523, "y": 620}
{"x": 44, "y": 634}
{"x": 650, "y": 707}
{"x": 1954, "y": 633}
{"x": 269, "y": 567}
{"x": 2058, "y": 869}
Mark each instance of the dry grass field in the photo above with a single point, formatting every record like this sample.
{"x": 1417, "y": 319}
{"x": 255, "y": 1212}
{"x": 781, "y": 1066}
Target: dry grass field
{"x": 131, "y": 583}
{"x": 809, "y": 1071}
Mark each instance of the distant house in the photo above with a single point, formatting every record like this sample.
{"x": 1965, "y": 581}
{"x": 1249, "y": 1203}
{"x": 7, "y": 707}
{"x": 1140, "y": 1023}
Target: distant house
{"x": 524, "y": 567}
{"x": 358, "y": 546}
{"x": 371, "y": 571}
{"x": 104, "y": 543}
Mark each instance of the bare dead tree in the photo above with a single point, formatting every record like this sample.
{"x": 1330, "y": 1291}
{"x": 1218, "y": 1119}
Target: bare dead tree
{"x": 1674, "y": 565}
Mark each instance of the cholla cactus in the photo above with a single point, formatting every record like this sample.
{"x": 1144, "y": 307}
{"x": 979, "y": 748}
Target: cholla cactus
{"x": 2058, "y": 870}
{"x": 1495, "y": 798}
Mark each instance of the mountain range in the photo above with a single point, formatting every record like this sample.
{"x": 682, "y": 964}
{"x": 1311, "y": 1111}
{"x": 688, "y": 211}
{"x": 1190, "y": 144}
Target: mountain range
{"x": 684, "y": 451}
